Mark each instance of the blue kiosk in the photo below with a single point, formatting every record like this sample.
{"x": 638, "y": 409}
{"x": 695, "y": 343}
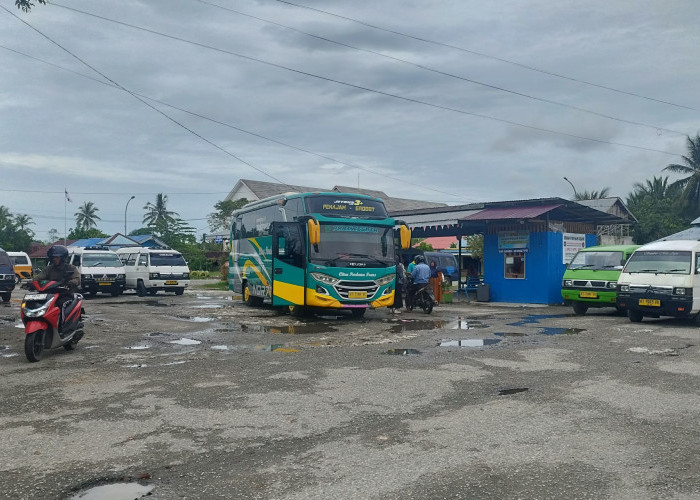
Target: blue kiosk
{"x": 527, "y": 243}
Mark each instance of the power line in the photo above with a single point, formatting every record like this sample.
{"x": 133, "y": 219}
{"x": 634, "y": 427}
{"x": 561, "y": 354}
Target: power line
{"x": 144, "y": 102}
{"x": 254, "y": 134}
{"x": 367, "y": 89}
{"x": 451, "y": 75}
{"x": 489, "y": 56}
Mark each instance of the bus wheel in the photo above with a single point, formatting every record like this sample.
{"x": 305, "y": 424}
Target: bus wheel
{"x": 298, "y": 311}
{"x": 248, "y": 297}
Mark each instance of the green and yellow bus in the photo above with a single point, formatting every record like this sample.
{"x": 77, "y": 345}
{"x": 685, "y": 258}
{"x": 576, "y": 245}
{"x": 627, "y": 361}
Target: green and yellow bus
{"x": 305, "y": 251}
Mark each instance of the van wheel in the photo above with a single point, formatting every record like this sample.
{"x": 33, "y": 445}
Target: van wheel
{"x": 141, "y": 289}
{"x": 6, "y": 296}
{"x": 580, "y": 308}
{"x": 635, "y": 316}
{"x": 152, "y": 291}
{"x": 179, "y": 291}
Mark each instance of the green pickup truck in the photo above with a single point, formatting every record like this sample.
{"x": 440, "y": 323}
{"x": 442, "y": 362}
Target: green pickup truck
{"x": 590, "y": 280}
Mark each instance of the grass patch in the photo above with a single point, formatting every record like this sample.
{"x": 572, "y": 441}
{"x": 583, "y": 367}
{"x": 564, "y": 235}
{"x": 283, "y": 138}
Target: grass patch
{"x": 220, "y": 285}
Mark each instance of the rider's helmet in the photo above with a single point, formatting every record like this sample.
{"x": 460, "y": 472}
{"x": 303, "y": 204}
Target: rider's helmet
{"x": 57, "y": 251}
{"x": 420, "y": 259}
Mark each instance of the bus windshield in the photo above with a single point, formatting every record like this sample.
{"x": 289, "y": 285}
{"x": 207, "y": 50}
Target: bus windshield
{"x": 354, "y": 245}
{"x": 667, "y": 262}
{"x": 597, "y": 260}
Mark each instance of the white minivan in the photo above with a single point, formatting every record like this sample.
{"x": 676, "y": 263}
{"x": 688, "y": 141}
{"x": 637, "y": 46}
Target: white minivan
{"x": 662, "y": 279}
{"x": 151, "y": 269}
{"x": 100, "y": 270}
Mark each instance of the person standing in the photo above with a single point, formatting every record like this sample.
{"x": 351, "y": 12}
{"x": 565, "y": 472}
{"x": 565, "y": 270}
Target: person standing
{"x": 436, "y": 282}
{"x": 400, "y": 287}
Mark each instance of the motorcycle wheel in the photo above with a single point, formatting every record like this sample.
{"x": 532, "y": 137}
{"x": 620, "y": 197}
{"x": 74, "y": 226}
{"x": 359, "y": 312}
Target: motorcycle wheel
{"x": 34, "y": 346}
{"x": 428, "y": 306}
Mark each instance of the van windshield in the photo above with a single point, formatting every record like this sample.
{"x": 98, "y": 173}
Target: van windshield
{"x": 101, "y": 260}
{"x": 5, "y": 260}
{"x": 667, "y": 262}
{"x": 596, "y": 260}
{"x": 167, "y": 259}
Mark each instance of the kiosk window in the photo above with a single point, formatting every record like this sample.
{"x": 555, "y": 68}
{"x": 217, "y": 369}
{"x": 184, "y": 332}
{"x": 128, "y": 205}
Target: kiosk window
{"x": 514, "y": 265}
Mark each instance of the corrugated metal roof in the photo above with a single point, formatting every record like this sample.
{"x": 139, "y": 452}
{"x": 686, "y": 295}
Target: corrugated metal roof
{"x": 511, "y": 212}
{"x": 436, "y": 219}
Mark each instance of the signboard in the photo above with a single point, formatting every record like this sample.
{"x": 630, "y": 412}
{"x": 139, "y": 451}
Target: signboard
{"x": 340, "y": 206}
{"x": 573, "y": 243}
{"x": 513, "y": 241}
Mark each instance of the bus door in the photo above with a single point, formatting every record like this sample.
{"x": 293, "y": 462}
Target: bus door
{"x": 288, "y": 264}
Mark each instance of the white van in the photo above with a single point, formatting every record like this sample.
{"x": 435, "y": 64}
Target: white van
{"x": 22, "y": 264}
{"x": 100, "y": 270}
{"x": 662, "y": 279}
{"x": 151, "y": 269}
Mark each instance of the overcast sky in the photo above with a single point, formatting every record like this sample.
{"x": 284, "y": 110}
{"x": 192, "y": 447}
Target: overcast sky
{"x": 454, "y": 101}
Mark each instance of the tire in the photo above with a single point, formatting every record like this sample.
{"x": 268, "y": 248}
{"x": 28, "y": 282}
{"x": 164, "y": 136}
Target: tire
{"x": 179, "y": 291}
{"x": 580, "y": 308}
{"x": 635, "y": 316}
{"x": 299, "y": 311}
{"x": 248, "y": 297}
{"x": 141, "y": 289}
{"x": 6, "y": 296}
{"x": 428, "y": 307}
{"x": 34, "y": 346}
{"x": 152, "y": 291}
{"x": 358, "y": 313}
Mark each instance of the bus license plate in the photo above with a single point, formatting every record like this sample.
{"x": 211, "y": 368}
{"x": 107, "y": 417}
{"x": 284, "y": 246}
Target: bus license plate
{"x": 588, "y": 295}
{"x": 357, "y": 295}
{"x": 650, "y": 302}
{"x": 171, "y": 282}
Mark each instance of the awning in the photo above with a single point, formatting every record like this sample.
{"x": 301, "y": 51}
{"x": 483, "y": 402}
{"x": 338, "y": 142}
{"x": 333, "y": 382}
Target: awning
{"x": 511, "y": 212}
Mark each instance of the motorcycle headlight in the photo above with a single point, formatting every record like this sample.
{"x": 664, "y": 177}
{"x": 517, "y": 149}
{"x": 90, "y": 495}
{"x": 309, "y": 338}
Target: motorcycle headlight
{"x": 385, "y": 280}
{"x": 325, "y": 278}
{"x": 37, "y": 311}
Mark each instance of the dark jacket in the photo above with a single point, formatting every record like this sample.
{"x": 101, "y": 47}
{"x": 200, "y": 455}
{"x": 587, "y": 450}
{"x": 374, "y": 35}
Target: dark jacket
{"x": 67, "y": 273}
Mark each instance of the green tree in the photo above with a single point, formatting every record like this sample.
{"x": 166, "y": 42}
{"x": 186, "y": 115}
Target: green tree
{"x": 220, "y": 220}
{"x": 79, "y": 233}
{"x": 690, "y": 185}
{"x": 26, "y": 5}
{"x": 593, "y": 195}
{"x": 86, "y": 217}
{"x": 658, "y": 209}
{"x": 22, "y": 222}
{"x": 475, "y": 245}
{"x": 11, "y": 236}
{"x": 157, "y": 214}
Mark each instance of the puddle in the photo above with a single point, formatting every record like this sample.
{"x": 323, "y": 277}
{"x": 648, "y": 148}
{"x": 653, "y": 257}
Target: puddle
{"x": 139, "y": 347}
{"x": 184, "y": 341}
{"x": 469, "y": 342}
{"x": 560, "y": 331}
{"x": 405, "y": 325}
{"x": 516, "y": 390}
{"x": 644, "y": 350}
{"x": 536, "y": 318}
{"x": 511, "y": 334}
{"x": 403, "y": 352}
{"x": 116, "y": 491}
{"x": 200, "y": 319}
{"x": 290, "y": 329}
{"x": 159, "y": 334}
{"x": 220, "y": 347}
{"x": 208, "y": 306}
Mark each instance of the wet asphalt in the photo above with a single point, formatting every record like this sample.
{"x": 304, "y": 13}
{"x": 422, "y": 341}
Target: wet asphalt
{"x": 199, "y": 396}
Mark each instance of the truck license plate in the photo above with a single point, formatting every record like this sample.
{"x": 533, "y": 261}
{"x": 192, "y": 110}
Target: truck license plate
{"x": 357, "y": 295}
{"x": 588, "y": 295}
{"x": 650, "y": 302}
{"x": 171, "y": 282}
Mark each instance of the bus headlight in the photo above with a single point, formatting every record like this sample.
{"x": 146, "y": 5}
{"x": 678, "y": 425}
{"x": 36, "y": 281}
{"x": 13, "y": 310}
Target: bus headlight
{"x": 325, "y": 278}
{"x": 385, "y": 280}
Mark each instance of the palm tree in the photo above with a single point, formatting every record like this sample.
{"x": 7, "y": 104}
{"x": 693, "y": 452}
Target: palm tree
{"x": 86, "y": 217}
{"x": 22, "y": 223}
{"x": 593, "y": 195}
{"x": 157, "y": 214}
{"x": 657, "y": 188}
{"x": 5, "y": 215}
{"x": 690, "y": 184}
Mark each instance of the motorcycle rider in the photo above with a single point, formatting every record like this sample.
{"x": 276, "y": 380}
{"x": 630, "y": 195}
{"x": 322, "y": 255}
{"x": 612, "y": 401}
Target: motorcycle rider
{"x": 60, "y": 270}
{"x": 421, "y": 277}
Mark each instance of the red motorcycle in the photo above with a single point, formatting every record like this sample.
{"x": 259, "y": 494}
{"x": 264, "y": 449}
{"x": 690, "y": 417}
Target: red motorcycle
{"x": 46, "y": 325}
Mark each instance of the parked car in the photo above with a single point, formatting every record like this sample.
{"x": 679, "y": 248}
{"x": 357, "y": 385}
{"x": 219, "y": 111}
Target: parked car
{"x": 100, "y": 268}
{"x": 590, "y": 280}
{"x": 7, "y": 276}
{"x": 662, "y": 279}
{"x": 149, "y": 270}
{"x": 22, "y": 265}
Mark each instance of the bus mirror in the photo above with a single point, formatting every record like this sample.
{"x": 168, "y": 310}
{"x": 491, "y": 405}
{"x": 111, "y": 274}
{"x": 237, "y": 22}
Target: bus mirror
{"x": 314, "y": 231}
{"x": 405, "y": 237}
